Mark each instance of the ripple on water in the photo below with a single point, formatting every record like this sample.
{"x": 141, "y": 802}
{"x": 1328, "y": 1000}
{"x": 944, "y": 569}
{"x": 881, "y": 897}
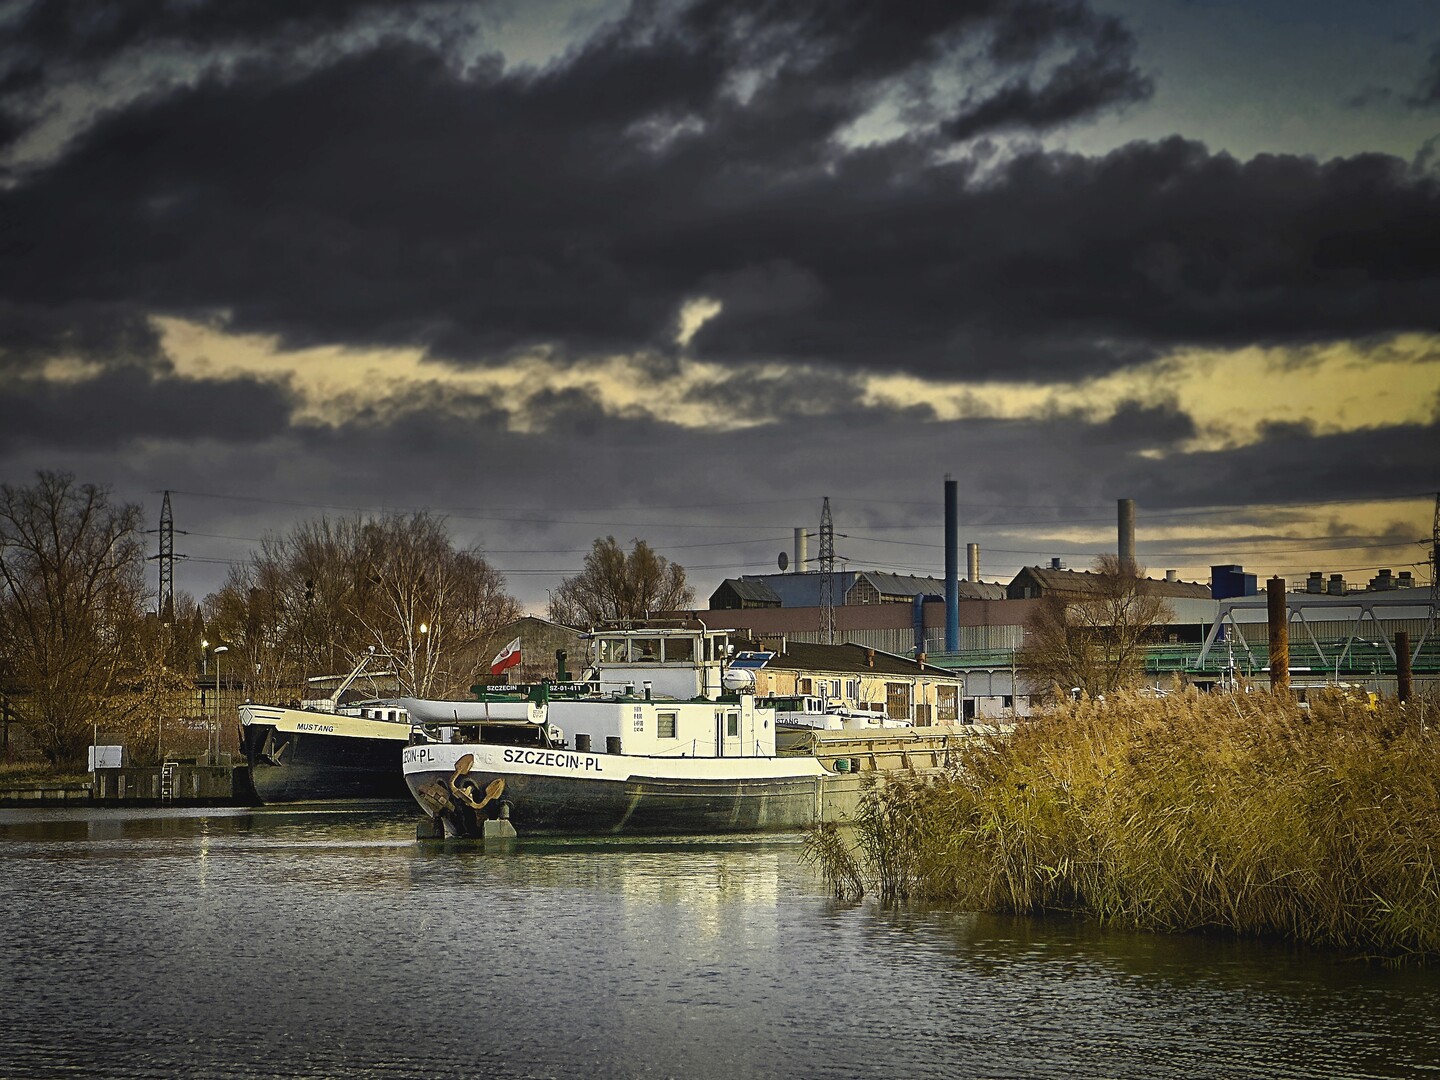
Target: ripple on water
{"x": 327, "y": 944}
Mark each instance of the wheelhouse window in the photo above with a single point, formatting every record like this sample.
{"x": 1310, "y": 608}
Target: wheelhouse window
{"x": 665, "y": 725}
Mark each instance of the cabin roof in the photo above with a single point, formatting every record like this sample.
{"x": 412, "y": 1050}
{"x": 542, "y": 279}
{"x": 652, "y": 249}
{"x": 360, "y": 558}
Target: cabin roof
{"x": 850, "y": 659}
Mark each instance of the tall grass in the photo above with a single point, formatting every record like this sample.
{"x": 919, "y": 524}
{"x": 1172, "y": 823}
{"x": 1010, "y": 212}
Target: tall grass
{"x": 1240, "y": 812}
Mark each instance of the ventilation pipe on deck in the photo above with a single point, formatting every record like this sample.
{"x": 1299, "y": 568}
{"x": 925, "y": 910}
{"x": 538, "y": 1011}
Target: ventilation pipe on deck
{"x": 952, "y": 566}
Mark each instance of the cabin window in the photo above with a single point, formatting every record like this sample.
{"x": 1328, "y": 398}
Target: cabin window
{"x": 732, "y": 725}
{"x": 679, "y": 649}
{"x": 645, "y": 650}
{"x": 897, "y": 700}
{"x": 665, "y": 725}
{"x": 947, "y": 704}
{"x": 613, "y": 652}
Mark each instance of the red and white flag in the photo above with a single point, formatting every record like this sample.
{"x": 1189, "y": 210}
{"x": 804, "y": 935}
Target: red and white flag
{"x": 506, "y": 658}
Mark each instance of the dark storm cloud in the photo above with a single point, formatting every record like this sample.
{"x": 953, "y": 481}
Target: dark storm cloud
{"x": 1290, "y": 464}
{"x": 1100, "y": 74}
{"x": 1142, "y": 426}
{"x": 95, "y": 30}
{"x": 1427, "y": 94}
{"x": 110, "y": 413}
{"x": 108, "y": 334}
{"x": 390, "y": 195}
{"x": 542, "y": 497}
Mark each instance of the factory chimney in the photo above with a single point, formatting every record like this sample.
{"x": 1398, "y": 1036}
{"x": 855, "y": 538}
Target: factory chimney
{"x": 798, "y": 566}
{"x": 1127, "y": 535}
{"x": 972, "y": 559}
{"x": 952, "y": 566}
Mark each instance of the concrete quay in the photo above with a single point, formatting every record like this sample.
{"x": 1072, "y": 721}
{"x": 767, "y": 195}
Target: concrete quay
{"x": 174, "y": 783}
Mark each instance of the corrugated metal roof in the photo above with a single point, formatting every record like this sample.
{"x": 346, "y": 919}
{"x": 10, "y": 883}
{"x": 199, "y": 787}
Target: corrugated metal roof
{"x": 901, "y": 584}
{"x": 803, "y": 590}
{"x": 1084, "y": 581}
{"x": 749, "y": 589}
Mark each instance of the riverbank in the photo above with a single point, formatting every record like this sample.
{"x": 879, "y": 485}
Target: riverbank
{"x": 1191, "y": 812}
{"x": 178, "y": 783}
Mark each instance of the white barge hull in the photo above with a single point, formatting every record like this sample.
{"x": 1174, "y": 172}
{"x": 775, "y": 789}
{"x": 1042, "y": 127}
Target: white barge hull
{"x": 574, "y": 793}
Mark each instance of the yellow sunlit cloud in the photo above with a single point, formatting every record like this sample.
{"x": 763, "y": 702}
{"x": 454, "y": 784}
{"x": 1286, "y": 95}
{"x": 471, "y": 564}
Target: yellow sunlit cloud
{"x": 695, "y": 314}
{"x": 1230, "y": 395}
{"x": 334, "y": 385}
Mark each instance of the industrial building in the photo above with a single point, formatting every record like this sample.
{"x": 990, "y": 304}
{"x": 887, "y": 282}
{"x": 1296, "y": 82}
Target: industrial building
{"x": 1338, "y": 632}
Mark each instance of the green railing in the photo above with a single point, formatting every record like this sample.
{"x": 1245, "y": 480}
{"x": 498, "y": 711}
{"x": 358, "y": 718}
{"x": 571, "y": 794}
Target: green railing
{"x": 1363, "y": 658}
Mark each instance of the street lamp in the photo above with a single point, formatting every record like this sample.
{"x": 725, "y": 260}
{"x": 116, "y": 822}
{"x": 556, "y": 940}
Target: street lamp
{"x": 218, "y": 650}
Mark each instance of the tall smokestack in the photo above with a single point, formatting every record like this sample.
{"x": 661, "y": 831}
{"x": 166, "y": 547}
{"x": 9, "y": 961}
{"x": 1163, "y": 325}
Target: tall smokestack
{"x": 1127, "y": 535}
{"x": 952, "y": 566}
{"x": 972, "y": 558}
{"x": 798, "y": 566}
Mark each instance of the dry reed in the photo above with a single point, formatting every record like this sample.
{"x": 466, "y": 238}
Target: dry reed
{"x": 1240, "y": 812}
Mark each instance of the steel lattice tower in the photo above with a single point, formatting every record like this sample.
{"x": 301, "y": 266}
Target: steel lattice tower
{"x": 1434, "y": 612}
{"x": 166, "y": 558}
{"x": 1435, "y": 556}
{"x": 827, "y": 570}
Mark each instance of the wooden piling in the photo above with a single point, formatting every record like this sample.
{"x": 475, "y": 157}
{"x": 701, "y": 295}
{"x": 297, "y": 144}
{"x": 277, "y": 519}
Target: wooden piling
{"x": 1279, "y": 636}
{"x": 1404, "y": 682}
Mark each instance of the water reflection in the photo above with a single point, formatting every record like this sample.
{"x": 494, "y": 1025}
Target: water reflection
{"x": 325, "y": 942}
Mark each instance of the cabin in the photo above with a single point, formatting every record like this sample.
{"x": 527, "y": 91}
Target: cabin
{"x": 856, "y": 678}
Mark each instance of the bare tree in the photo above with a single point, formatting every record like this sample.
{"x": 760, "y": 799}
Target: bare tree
{"x": 1095, "y": 641}
{"x": 71, "y": 591}
{"x": 313, "y": 601}
{"x": 426, "y": 605}
{"x": 616, "y": 587}
{"x": 147, "y": 711}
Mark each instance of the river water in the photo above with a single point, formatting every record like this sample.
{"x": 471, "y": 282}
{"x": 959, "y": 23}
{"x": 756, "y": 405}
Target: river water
{"x": 315, "y": 943}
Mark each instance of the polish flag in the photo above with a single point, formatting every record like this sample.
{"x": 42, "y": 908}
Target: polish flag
{"x": 506, "y": 658}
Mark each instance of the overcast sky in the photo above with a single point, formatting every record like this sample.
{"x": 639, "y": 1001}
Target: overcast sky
{"x": 679, "y": 271}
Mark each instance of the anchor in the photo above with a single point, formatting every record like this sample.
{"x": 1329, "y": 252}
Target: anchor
{"x": 493, "y": 790}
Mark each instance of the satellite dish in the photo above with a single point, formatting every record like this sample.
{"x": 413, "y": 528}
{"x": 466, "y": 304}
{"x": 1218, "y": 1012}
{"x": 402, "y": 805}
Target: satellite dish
{"x": 784, "y": 561}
